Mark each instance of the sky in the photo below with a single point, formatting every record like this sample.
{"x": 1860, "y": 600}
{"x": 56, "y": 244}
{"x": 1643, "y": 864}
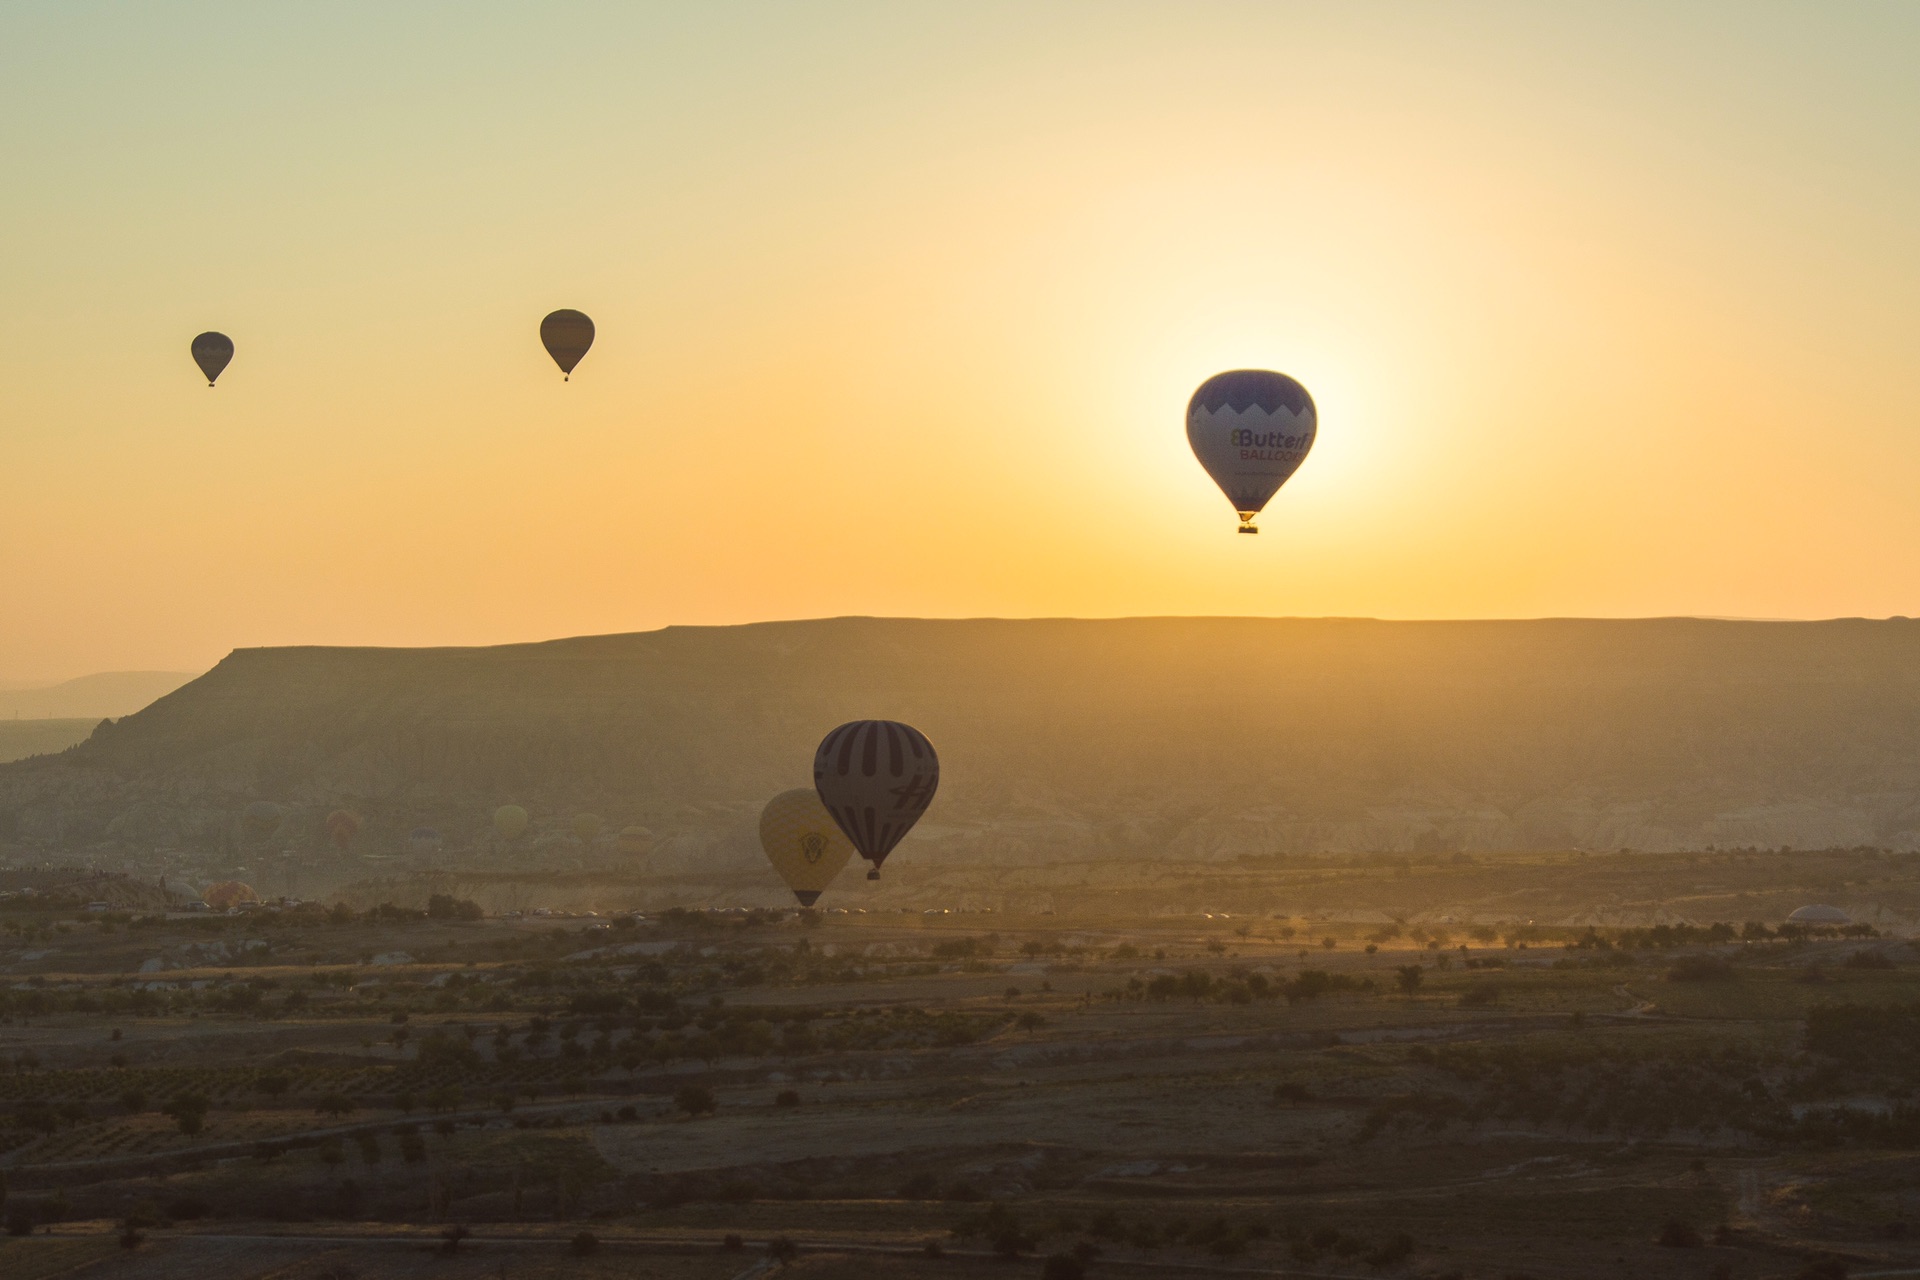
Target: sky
{"x": 1608, "y": 310}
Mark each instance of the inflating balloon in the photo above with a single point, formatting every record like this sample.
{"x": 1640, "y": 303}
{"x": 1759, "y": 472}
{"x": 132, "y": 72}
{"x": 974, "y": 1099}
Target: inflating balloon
{"x": 1251, "y": 429}
{"x": 212, "y": 351}
{"x": 635, "y": 841}
{"x": 342, "y": 826}
{"x": 588, "y": 826}
{"x": 261, "y": 818}
{"x": 876, "y": 778}
{"x": 510, "y": 820}
{"x": 567, "y": 335}
{"x": 803, "y": 843}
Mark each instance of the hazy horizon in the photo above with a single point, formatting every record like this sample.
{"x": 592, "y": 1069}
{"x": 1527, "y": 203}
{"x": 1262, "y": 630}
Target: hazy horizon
{"x": 1600, "y": 321}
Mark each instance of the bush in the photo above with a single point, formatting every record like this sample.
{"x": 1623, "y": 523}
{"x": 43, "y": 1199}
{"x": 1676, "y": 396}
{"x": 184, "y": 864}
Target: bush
{"x": 1701, "y": 969}
{"x": 188, "y": 1209}
{"x": 1481, "y": 995}
{"x": 1675, "y": 1234}
{"x": 695, "y": 1100}
{"x": 584, "y": 1245}
{"x": 921, "y": 1186}
{"x": 1869, "y": 960}
{"x": 1062, "y": 1266}
{"x": 787, "y": 1098}
{"x": 1291, "y": 1091}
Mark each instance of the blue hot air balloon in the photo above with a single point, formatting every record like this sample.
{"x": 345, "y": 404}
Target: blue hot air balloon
{"x": 1251, "y": 429}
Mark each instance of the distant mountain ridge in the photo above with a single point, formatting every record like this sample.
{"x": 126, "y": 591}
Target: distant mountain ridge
{"x": 98, "y": 696}
{"x": 1153, "y": 738}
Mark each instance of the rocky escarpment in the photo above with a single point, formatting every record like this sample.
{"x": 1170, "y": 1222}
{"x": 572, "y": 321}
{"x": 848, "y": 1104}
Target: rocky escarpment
{"x": 1187, "y": 739}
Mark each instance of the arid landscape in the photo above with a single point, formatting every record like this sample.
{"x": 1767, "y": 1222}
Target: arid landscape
{"x": 317, "y": 1090}
{"x": 1110, "y": 1008}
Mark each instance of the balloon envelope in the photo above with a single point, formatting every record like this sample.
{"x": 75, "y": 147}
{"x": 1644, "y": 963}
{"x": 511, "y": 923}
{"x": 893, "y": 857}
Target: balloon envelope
{"x": 566, "y": 335}
{"x": 588, "y": 826}
{"x": 342, "y": 826}
{"x": 803, "y": 843}
{"x": 228, "y": 893}
{"x": 876, "y": 778}
{"x": 1251, "y": 429}
{"x": 261, "y": 818}
{"x": 510, "y": 820}
{"x": 212, "y": 351}
{"x": 635, "y": 841}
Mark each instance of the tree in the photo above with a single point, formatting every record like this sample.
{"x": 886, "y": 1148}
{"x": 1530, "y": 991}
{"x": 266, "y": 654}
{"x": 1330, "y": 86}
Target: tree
{"x": 782, "y": 1250}
{"x": 189, "y": 1112}
{"x": 335, "y": 1105}
{"x": 695, "y": 1100}
{"x": 1062, "y": 1266}
{"x": 1409, "y": 976}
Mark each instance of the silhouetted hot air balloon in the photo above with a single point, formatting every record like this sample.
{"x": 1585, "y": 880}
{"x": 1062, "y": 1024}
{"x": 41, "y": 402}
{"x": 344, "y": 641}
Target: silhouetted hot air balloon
{"x": 803, "y": 843}
{"x": 876, "y": 778}
{"x": 588, "y": 826}
{"x": 1251, "y": 429}
{"x": 342, "y": 826}
{"x": 567, "y": 335}
{"x": 510, "y": 820}
{"x": 261, "y": 818}
{"x": 212, "y": 351}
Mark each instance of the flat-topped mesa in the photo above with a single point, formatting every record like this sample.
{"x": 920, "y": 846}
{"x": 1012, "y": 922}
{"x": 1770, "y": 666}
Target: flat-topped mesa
{"x": 1174, "y": 737}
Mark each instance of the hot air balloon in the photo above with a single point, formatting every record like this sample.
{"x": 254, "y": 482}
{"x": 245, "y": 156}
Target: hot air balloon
{"x": 510, "y": 820}
{"x": 876, "y": 778}
{"x": 803, "y": 843}
{"x": 261, "y": 819}
{"x": 227, "y": 894}
{"x": 567, "y": 335}
{"x": 342, "y": 826}
{"x": 423, "y": 839}
{"x": 212, "y": 351}
{"x": 588, "y": 826}
{"x": 1251, "y": 429}
{"x": 635, "y": 841}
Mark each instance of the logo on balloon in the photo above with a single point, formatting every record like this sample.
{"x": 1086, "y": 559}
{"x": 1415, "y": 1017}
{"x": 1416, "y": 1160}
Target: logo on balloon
{"x": 813, "y": 846}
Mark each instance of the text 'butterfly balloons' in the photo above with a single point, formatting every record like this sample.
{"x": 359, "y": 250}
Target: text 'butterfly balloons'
{"x": 1251, "y": 429}
{"x": 567, "y": 336}
{"x": 212, "y": 352}
{"x": 876, "y": 778}
{"x": 803, "y": 843}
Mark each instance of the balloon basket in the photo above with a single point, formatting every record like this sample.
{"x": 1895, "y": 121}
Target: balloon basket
{"x": 1247, "y": 528}
{"x": 874, "y": 874}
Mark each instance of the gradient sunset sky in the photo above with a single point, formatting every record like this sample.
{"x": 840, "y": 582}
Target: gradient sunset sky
{"x": 1609, "y": 310}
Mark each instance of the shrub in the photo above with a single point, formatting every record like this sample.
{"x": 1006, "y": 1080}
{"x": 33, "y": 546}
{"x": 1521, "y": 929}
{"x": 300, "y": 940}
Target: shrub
{"x": 1869, "y": 960}
{"x": 695, "y": 1100}
{"x": 584, "y": 1245}
{"x": 1062, "y": 1266}
{"x": 1675, "y": 1234}
{"x": 787, "y": 1098}
{"x": 1700, "y": 969}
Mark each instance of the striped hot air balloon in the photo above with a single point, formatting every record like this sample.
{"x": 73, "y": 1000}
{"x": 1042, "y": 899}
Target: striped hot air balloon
{"x": 1251, "y": 430}
{"x": 876, "y": 778}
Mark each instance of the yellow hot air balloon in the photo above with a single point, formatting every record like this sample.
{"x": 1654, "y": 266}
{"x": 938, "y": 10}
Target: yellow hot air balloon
{"x": 635, "y": 841}
{"x": 803, "y": 842}
{"x": 588, "y": 826}
{"x": 510, "y": 820}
